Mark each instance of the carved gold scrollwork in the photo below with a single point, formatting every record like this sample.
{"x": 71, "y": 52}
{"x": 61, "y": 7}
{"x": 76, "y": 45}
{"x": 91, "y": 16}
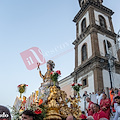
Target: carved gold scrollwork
{"x": 57, "y": 107}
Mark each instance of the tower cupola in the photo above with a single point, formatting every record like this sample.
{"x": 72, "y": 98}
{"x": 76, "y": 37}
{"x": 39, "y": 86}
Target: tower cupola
{"x": 83, "y": 2}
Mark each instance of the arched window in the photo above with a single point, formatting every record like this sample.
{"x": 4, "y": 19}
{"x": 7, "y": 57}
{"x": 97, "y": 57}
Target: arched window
{"x": 83, "y": 25}
{"x": 102, "y": 21}
{"x": 108, "y": 44}
{"x": 84, "y": 52}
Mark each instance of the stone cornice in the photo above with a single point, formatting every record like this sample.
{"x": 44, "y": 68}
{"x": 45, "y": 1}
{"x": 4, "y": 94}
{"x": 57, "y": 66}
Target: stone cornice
{"x": 94, "y": 4}
{"x": 91, "y": 64}
{"x": 88, "y": 63}
{"x": 94, "y": 28}
{"x": 82, "y": 36}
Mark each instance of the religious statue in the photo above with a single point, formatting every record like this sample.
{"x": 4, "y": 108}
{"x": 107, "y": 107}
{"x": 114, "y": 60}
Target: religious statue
{"x": 47, "y": 77}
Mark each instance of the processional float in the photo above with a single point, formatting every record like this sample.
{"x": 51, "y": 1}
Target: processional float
{"x": 49, "y": 102}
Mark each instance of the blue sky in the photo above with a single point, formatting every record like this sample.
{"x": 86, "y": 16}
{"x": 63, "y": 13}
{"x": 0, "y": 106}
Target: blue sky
{"x": 37, "y": 23}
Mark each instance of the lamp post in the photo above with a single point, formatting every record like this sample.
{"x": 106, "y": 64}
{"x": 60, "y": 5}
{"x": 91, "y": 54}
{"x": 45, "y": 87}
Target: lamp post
{"x": 109, "y": 58}
{"x": 110, "y": 73}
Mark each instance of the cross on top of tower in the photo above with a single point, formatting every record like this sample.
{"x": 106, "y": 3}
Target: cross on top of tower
{"x": 82, "y": 2}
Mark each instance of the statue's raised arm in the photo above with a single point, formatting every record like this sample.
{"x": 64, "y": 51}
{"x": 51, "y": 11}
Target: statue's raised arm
{"x": 41, "y": 75}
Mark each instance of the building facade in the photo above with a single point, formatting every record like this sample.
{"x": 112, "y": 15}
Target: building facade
{"x": 95, "y": 37}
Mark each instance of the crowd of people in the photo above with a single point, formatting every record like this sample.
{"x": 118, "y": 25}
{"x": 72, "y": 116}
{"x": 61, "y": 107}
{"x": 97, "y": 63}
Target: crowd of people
{"x": 106, "y": 106}
{"x": 5, "y": 114}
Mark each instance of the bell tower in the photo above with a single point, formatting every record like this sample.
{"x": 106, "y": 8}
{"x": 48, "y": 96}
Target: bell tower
{"x": 94, "y": 29}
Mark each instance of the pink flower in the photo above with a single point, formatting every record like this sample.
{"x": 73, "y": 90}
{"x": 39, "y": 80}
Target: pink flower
{"x": 59, "y": 72}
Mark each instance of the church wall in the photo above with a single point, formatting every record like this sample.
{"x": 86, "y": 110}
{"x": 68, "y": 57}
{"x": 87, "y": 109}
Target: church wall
{"x": 106, "y": 79}
{"x": 101, "y": 39}
{"x": 87, "y": 21}
{"x": 68, "y": 89}
{"x": 90, "y": 87}
{"x": 89, "y": 48}
{"x": 66, "y": 85}
{"x": 97, "y": 19}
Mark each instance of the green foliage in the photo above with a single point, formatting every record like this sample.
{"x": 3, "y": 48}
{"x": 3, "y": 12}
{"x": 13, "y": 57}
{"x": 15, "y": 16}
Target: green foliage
{"x": 76, "y": 88}
{"x": 15, "y": 113}
{"x": 54, "y": 77}
{"x": 22, "y": 89}
{"x": 42, "y": 115}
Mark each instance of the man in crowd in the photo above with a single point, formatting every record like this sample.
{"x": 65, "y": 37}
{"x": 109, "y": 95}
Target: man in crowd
{"x": 113, "y": 102}
{"x": 4, "y": 113}
{"x": 111, "y": 95}
{"x": 69, "y": 117}
{"x": 98, "y": 114}
{"x": 83, "y": 116}
{"x": 85, "y": 94}
{"x": 117, "y": 114}
{"x": 90, "y": 107}
{"x": 90, "y": 118}
{"x": 99, "y": 97}
{"x": 27, "y": 115}
{"x": 105, "y": 105}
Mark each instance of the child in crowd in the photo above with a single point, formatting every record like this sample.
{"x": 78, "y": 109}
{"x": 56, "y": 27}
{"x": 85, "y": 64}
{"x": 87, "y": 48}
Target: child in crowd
{"x": 83, "y": 116}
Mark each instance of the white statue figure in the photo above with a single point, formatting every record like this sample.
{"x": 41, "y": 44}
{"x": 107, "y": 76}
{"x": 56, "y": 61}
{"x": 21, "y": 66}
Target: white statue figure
{"x": 47, "y": 77}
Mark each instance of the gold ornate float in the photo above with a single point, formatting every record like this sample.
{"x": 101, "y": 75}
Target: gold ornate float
{"x": 50, "y": 102}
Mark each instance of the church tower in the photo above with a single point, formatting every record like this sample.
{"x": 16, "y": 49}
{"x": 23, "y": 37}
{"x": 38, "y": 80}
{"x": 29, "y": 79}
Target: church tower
{"x": 94, "y": 35}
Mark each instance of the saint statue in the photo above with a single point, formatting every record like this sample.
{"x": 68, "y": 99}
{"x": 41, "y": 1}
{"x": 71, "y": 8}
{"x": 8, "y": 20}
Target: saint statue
{"x": 47, "y": 77}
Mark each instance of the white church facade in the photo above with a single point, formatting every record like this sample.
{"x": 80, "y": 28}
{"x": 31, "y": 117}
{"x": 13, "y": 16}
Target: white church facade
{"x": 94, "y": 35}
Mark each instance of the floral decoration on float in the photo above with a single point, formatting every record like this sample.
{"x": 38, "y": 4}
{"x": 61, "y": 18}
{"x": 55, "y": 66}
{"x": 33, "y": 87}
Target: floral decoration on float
{"x": 76, "y": 87}
{"x": 31, "y": 103}
{"x": 55, "y": 75}
{"x": 21, "y": 89}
